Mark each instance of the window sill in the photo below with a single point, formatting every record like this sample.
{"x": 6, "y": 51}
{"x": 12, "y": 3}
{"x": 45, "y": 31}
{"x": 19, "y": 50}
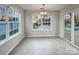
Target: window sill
{"x": 41, "y": 29}
{"x": 5, "y": 40}
{"x": 67, "y": 28}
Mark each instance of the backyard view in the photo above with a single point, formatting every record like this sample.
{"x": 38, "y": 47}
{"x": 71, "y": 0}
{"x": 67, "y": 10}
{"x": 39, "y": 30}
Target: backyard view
{"x": 67, "y": 18}
{"x": 13, "y": 22}
{"x": 2, "y": 31}
{"x": 68, "y": 27}
{"x": 36, "y": 22}
{"x": 43, "y": 22}
{"x": 76, "y": 28}
{"x": 2, "y": 22}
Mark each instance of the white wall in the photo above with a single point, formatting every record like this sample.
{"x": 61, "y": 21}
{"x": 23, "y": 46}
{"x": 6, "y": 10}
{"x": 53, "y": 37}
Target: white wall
{"x": 9, "y": 45}
{"x": 41, "y": 33}
{"x": 61, "y": 25}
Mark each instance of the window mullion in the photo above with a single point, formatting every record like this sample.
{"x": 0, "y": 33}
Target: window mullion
{"x": 8, "y": 29}
{"x": 19, "y": 23}
{"x": 41, "y": 23}
{"x": 7, "y": 20}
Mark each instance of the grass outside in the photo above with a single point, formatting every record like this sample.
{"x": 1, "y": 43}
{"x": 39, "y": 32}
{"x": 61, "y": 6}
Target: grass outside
{"x": 2, "y": 37}
{"x": 13, "y": 32}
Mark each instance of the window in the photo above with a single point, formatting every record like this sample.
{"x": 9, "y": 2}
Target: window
{"x": 13, "y": 26}
{"x": 9, "y": 21}
{"x": 2, "y": 30}
{"x": 67, "y": 18}
{"x": 41, "y": 22}
{"x": 2, "y": 22}
{"x": 36, "y": 22}
{"x": 46, "y": 22}
{"x": 13, "y": 22}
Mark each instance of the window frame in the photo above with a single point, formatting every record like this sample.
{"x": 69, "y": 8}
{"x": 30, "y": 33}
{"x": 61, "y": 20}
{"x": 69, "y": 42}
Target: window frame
{"x": 14, "y": 21}
{"x": 8, "y": 37}
{"x": 42, "y": 24}
{"x": 5, "y": 30}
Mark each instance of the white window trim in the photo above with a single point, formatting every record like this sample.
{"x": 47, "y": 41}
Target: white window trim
{"x": 8, "y": 37}
{"x": 72, "y": 26}
{"x": 41, "y": 29}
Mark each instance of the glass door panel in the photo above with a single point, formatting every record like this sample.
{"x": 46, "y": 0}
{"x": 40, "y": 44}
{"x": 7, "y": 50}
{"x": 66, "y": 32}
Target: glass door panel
{"x": 76, "y": 28}
{"x": 67, "y": 28}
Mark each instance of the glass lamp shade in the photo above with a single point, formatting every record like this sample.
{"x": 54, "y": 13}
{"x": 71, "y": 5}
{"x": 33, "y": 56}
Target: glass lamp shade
{"x": 34, "y": 21}
{"x": 44, "y": 13}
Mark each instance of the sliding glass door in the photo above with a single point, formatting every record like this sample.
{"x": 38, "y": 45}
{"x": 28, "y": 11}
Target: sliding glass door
{"x": 76, "y": 28}
{"x": 71, "y": 28}
{"x": 67, "y": 28}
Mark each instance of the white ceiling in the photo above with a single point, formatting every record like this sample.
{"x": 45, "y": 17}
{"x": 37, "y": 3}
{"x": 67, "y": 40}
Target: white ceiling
{"x": 53, "y": 7}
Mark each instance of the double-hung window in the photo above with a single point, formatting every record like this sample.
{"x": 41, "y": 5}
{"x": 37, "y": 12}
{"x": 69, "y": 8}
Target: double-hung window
{"x": 2, "y": 29}
{"x": 46, "y": 22}
{"x": 3, "y": 22}
{"x": 9, "y": 21}
{"x": 13, "y": 22}
{"x": 41, "y": 22}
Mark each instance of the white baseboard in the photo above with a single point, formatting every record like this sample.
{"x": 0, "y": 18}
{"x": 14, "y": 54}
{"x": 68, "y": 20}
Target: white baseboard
{"x": 44, "y": 36}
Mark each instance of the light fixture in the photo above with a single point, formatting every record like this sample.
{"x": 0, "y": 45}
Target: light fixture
{"x": 43, "y": 11}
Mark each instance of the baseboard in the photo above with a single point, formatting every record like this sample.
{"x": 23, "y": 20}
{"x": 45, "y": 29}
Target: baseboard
{"x": 43, "y": 36}
{"x": 60, "y": 37}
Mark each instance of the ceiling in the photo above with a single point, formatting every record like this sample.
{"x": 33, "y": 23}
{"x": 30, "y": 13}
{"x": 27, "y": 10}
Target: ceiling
{"x": 51, "y": 7}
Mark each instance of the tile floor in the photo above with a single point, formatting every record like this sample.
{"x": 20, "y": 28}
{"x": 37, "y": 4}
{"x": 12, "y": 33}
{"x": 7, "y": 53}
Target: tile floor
{"x": 44, "y": 46}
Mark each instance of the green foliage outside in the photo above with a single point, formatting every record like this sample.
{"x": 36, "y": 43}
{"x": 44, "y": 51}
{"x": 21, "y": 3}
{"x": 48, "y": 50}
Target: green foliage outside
{"x": 2, "y": 37}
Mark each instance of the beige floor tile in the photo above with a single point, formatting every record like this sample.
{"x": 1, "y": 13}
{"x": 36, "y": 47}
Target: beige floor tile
{"x": 44, "y": 46}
